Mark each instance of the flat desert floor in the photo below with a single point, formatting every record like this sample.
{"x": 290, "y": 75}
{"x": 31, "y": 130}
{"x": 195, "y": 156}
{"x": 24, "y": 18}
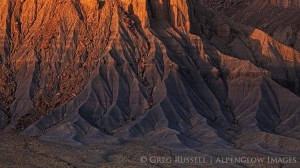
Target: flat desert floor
{"x": 23, "y": 151}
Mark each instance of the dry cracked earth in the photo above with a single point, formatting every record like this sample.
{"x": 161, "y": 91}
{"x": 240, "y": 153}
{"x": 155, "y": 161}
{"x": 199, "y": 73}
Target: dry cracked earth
{"x": 108, "y": 83}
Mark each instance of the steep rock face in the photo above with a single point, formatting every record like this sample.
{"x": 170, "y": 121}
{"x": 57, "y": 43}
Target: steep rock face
{"x": 171, "y": 71}
{"x": 279, "y": 19}
{"x": 138, "y": 8}
{"x": 50, "y": 46}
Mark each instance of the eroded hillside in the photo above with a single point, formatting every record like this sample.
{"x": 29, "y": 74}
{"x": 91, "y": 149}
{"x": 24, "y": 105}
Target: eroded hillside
{"x": 279, "y": 18}
{"x": 170, "y": 71}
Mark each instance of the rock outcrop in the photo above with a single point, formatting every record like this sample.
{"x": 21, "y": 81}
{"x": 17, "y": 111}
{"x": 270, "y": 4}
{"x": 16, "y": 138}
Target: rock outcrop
{"x": 169, "y": 71}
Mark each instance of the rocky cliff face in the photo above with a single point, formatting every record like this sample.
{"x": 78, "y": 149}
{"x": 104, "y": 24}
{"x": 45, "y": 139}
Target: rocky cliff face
{"x": 171, "y": 71}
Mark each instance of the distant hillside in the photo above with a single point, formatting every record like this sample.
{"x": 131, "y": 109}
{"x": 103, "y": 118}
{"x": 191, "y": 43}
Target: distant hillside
{"x": 279, "y": 18}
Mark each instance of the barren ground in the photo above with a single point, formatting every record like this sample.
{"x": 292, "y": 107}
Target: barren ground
{"x": 23, "y": 151}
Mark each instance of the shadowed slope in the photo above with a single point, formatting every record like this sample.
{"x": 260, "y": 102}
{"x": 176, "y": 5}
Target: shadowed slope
{"x": 280, "y": 19}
